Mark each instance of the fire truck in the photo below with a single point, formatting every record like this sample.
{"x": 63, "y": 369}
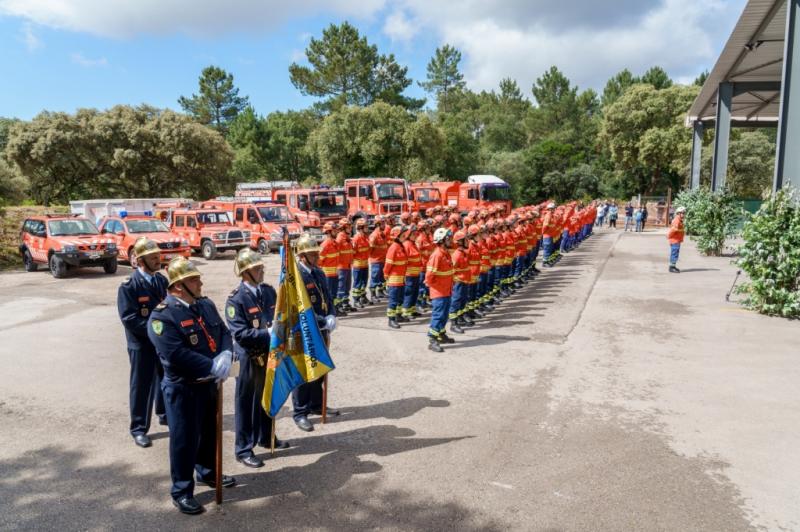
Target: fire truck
{"x": 424, "y": 196}
{"x": 64, "y": 241}
{"x": 207, "y": 230}
{"x": 479, "y": 192}
{"x": 127, "y": 227}
{"x": 263, "y": 219}
{"x": 369, "y": 196}
{"x": 314, "y": 206}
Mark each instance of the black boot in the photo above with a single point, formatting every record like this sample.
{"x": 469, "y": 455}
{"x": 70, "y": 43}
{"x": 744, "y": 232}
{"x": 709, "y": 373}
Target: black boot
{"x": 444, "y": 339}
{"x": 674, "y": 269}
{"x": 456, "y": 327}
{"x": 340, "y": 310}
{"x": 434, "y": 346}
{"x": 477, "y": 313}
{"x": 465, "y": 320}
{"x": 393, "y": 323}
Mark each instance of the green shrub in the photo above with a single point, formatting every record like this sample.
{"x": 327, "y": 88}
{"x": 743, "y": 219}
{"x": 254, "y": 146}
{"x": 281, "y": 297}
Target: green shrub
{"x": 710, "y": 217}
{"x": 770, "y": 256}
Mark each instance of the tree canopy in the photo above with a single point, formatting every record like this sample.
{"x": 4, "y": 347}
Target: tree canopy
{"x": 218, "y": 102}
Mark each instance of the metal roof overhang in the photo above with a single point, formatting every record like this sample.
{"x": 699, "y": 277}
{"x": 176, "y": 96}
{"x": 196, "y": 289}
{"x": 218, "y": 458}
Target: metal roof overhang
{"x": 752, "y": 61}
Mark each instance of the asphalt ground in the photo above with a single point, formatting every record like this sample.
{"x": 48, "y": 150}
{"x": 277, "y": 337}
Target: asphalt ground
{"x": 607, "y": 394}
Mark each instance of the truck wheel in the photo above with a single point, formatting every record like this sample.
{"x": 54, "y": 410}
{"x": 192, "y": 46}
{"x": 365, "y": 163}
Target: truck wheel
{"x": 110, "y": 266}
{"x": 263, "y": 247}
{"x": 57, "y": 267}
{"x": 209, "y": 250}
{"x": 27, "y": 259}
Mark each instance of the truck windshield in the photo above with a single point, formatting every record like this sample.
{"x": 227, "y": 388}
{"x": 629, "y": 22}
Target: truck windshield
{"x": 72, "y": 227}
{"x": 329, "y": 203}
{"x": 213, "y": 218}
{"x": 146, "y": 226}
{"x": 427, "y": 194}
{"x": 501, "y": 193}
{"x": 391, "y": 191}
{"x": 277, "y": 213}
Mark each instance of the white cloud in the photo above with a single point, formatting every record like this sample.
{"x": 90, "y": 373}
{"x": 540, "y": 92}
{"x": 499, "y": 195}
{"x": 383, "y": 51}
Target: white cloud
{"x": 126, "y": 18}
{"x": 399, "y": 27}
{"x": 29, "y": 38}
{"x": 589, "y": 41}
{"x": 79, "y": 59}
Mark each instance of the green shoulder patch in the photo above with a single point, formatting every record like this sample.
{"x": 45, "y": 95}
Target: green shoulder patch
{"x": 158, "y": 327}
{"x": 231, "y": 310}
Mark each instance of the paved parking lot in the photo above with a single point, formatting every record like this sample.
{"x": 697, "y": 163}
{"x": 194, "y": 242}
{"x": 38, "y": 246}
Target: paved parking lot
{"x": 606, "y": 395}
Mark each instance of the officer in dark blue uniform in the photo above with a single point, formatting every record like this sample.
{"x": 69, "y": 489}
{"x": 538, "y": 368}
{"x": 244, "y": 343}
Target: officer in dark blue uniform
{"x": 307, "y": 398}
{"x": 249, "y": 312}
{"x": 195, "y": 349}
{"x": 137, "y": 296}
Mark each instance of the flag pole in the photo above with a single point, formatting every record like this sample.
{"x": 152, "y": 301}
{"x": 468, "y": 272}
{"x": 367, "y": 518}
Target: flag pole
{"x": 272, "y": 439}
{"x": 218, "y": 466}
{"x": 325, "y": 385}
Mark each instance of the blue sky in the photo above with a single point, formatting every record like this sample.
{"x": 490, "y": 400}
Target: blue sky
{"x": 60, "y": 55}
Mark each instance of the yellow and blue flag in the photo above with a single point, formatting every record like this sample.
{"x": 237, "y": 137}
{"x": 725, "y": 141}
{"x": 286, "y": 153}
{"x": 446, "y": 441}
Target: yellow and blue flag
{"x": 297, "y": 351}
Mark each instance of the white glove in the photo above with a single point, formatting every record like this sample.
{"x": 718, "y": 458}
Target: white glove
{"x": 330, "y": 322}
{"x": 269, "y": 330}
{"x": 221, "y": 366}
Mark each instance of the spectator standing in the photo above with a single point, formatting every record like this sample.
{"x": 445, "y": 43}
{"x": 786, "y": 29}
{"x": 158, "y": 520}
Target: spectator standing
{"x": 628, "y": 216}
{"x": 601, "y": 214}
{"x": 638, "y": 217}
{"x": 613, "y": 213}
{"x": 644, "y": 216}
{"x": 675, "y": 237}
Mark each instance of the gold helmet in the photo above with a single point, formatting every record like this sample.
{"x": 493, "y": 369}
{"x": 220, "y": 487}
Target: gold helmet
{"x": 181, "y": 268}
{"x": 245, "y": 260}
{"x": 144, "y": 246}
{"x": 306, "y": 244}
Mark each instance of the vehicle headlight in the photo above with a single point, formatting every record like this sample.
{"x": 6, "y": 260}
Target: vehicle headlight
{"x": 246, "y": 234}
{"x": 185, "y": 243}
{"x": 219, "y": 236}
{"x": 69, "y": 249}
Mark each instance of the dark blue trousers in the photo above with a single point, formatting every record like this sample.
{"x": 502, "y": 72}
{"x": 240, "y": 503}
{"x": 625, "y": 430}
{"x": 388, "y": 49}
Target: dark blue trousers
{"x": 395, "y": 294}
{"x": 344, "y": 285}
{"x": 192, "y": 418}
{"x": 548, "y": 248}
{"x": 307, "y": 397}
{"x": 253, "y": 425}
{"x": 145, "y": 388}
{"x": 360, "y": 281}
{"x": 410, "y": 294}
{"x": 333, "y": 288}
{"x": 423, "y": 288}
{"x": 458, "y": 300}
{"x": 375, "y": 275}
{"x": 440, "y": 306}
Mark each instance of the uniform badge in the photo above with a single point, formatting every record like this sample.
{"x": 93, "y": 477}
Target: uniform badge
{"x": 256, "y": 323}
{"x": 193, "y": 339}
{"x": 158, "y": 327}
{"x": 145, "y": 311}
{"x": 231, "y": 311}
{"x": 313, "y": 299}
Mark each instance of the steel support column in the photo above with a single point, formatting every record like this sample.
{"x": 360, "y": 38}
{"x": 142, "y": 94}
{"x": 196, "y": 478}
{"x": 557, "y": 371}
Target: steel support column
{"x": 722, "y": 135}
{"x": 787, "y": 159}
{"x": 697, "y": 146}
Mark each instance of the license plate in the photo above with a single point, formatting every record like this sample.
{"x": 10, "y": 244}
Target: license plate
{"x": 94, "y": 256}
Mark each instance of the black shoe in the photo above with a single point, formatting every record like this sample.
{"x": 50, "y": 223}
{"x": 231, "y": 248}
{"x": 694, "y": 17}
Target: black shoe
{"x": 349, "y": 308}
{"x": 304, "y": 424}
{"x": 250, "y": 461}
{"x": 328, "y": 412}
{"x": 467, "y": 321}
{"x": 227, "y": 481}
{"x": 488, "y": 307}
{"x": 478, "y": 313}
{"x": 674, "y": 269}
{"x": 162, "y": 420}
{"x": 434, "y": 346}
{"x": 340, "y": 312}
{"x": 365, "y": 301}
{"x": 188, "y": 505}
{"x": 456, "y": 328}
{"x": 415, "y": 314}
{"x": 402, "y": 319}
{"x": 393, "y": 323}
{"x": 142, "y": 440}
{"x": 444, "y": 339}
{"x": 357, "y": 303}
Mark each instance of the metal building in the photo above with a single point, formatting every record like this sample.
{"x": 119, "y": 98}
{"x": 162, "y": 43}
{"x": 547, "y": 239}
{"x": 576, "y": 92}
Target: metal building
{"x": 751, "y": 86}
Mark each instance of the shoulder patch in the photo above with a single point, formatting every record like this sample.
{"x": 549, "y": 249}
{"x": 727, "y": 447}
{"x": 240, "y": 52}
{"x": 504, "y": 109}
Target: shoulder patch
{"x": 158, "y": 327}
{"x": 161, "y": 306}
{"x": 234, "y": 291}
{"x": 126, "y": 280}
{"x": 231, "y": 311}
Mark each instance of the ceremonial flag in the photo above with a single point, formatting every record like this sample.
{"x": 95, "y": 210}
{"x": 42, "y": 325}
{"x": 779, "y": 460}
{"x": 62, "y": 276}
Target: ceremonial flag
{"x": 297, "y": 351}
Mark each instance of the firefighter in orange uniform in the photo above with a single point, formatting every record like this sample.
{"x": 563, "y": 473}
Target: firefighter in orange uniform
{"x": 360, "y": 264}
{"x": 474, "y": 260}
{"x": 439, "y": 278}
{"x": 342, "y": 300}
{"x": 377, "y": 256}
{"x": 329, "y": 260}
{"x": 413, "y": 268}
{"x": 394, "y": 270}
{"x": 425, "y": 246}
{"x": 461, "y": 279}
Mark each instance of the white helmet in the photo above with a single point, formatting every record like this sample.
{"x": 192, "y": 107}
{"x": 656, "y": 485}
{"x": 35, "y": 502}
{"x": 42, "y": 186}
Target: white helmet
{"x": 680, "y": 210}
{"x": 551, "y": 205}
{"x": 441, "y": 234}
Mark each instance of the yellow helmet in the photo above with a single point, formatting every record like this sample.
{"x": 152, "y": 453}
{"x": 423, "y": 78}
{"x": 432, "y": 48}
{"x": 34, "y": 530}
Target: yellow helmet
{"x": 181, "y": 268}
{"x": 246, "y": 259}
{"x": 144, "y": 246}
{"x": 306, "y": 244}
